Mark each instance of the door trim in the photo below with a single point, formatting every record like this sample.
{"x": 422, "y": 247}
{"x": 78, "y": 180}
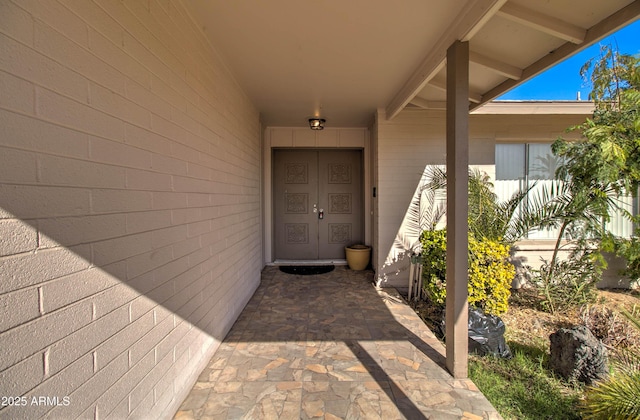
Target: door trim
{"x": 293, "y": 138}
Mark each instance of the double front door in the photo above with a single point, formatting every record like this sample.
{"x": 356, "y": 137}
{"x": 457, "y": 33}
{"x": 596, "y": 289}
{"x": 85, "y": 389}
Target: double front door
{"x": 317, "y": 203}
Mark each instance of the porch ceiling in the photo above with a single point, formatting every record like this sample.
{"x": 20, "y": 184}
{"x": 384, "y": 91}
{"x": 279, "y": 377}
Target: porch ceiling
{"x": 343, "y": 60}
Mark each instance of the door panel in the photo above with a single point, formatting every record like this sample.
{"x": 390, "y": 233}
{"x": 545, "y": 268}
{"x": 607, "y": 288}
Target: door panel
{"x": 306, "y": 183}
{"x": 340, "y": 196}
{"x": 295, "y": 192}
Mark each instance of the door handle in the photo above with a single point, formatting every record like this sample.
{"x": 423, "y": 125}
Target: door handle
{"x": 321, "y": 214}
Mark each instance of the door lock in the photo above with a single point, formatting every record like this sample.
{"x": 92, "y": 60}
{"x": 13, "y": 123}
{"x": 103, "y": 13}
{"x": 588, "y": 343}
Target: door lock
{"x": 321, "y": 214}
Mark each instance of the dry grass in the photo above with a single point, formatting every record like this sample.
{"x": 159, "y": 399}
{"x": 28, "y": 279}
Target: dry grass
{"x": 527, "y": 324}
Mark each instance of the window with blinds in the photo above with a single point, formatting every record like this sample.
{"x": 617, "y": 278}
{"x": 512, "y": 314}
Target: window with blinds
{"x": 519, "y": 165}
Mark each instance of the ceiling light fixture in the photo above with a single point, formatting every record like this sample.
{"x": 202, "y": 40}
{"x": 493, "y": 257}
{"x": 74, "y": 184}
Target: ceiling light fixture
{"x": 316, "y": 123}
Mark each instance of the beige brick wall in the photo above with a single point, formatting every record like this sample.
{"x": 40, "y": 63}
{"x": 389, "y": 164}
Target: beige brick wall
{"x": 416, "y": 138}
{"x": 130, "y": 235}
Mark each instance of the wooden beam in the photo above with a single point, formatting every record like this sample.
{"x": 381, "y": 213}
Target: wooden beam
{"x": 473, "y": 96}
{"x": 598, "y": 31}
{"x": 507, "y": 70}
{"x": 541, "y": 22}
{"x": 475, "y": 14}
{"x": 424, "y": 104}
{"x": 456, "y": 307}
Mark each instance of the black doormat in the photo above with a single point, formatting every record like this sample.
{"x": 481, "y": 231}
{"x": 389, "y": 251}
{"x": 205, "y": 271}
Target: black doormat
{"x": 306, "y": 270}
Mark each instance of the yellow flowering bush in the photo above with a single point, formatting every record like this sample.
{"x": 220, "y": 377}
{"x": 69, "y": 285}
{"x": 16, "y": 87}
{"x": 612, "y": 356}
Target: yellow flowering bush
{"x": 490, "y": 272}
{"x": 434, "y": 266}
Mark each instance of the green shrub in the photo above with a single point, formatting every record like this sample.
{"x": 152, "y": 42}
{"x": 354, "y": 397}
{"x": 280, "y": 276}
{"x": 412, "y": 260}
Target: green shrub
{"x": 568, "y": 283}
{"x": 434, "y": 265}
{"x": 490, "y": 272}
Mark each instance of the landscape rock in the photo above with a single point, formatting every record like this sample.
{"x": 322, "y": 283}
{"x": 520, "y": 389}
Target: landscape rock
{"x": 576, "y": 354}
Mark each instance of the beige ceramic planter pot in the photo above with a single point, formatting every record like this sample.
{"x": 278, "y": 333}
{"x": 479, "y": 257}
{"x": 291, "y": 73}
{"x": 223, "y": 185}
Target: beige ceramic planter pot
{"x": 358, "y": 256}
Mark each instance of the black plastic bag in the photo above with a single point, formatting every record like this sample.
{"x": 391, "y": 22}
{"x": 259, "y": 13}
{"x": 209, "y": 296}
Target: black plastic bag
{"x": 486, "y": 334}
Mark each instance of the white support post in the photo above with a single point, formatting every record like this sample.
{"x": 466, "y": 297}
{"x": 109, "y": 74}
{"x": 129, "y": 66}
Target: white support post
{"x": 411, "y": 280}
{"x": 457, "y": 208}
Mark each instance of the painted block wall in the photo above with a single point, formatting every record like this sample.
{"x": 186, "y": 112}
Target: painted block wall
{"x": 130, "y": 233}
{"x": 416, "y": 138}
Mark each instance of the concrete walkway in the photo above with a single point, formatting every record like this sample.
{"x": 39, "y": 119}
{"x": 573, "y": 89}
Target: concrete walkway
{"x": 330, "y": 346}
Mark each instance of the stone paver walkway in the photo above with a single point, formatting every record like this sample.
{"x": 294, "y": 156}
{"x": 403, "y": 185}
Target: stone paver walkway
{"x": 330, "y": 346}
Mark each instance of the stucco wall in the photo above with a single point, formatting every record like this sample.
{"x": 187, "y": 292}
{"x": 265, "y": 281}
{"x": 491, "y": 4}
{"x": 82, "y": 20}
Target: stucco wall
{"x": 416, "y": 138}
{"x": 130, "y": 233}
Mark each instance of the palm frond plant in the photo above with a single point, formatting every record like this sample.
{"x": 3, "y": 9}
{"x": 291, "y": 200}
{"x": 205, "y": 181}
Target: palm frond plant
{"x": 579, "y": 215}
{"x": 633, "y": 316}
{"x": 493, "y": 226}
{"x": 618, "y": 396}
{"x": 506, "y": 221}
{"x": 426, "y": 209}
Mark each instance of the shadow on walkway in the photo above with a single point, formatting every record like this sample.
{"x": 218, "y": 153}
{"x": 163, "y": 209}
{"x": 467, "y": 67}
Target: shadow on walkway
{"x": 330, "y": 346}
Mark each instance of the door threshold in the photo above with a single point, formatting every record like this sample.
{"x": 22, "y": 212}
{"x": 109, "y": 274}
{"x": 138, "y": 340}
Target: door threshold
{"x": 309, "y": 262}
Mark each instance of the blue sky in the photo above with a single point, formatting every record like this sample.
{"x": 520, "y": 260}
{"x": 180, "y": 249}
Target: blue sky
{"x": 563, "y": 81}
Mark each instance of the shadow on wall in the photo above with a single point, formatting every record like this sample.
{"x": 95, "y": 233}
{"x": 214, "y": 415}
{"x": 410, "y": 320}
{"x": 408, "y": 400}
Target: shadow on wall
{"x": 122, "y": 303}
{"x": 129, "y": 206}
{"x": 426, "y": 210}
